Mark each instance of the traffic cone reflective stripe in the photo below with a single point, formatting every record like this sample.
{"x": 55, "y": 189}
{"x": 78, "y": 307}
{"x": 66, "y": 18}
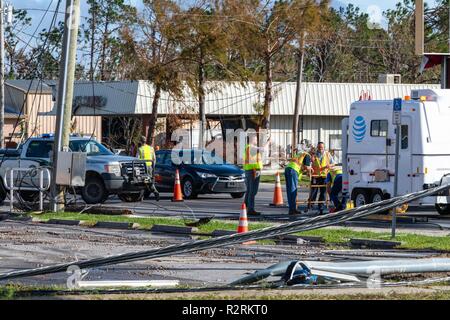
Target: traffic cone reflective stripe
{"x": 277, "y": 193}
{"x": 177, "y": 195}
{"x": 243, "y": 223}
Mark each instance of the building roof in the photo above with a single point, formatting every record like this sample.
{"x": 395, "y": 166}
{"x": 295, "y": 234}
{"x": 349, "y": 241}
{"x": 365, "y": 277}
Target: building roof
{"x": 12, "y": 113}
{"x": 231, "y": 98}
{"x": 34, "y": 86}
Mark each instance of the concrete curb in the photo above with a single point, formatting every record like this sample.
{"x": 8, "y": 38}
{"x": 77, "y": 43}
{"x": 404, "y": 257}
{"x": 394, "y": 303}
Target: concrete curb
{"x": 11, "y": 217}
{"x": 166, "y": 229}
{"x": 64, "y": 222}
{"x": 374, "y": 244}
{"x": 173, "y": 229}
{"x": 113, "y": 225}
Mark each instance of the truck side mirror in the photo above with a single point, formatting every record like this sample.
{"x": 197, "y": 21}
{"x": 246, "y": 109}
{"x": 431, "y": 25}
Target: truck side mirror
{"x": 388, "y": 142}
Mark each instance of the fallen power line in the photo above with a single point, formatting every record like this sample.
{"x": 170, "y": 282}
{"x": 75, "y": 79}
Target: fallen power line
{"x": 199, "y": 245}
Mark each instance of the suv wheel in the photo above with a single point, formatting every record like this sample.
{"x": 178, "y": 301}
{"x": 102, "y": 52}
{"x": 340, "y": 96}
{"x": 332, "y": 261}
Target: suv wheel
{"x": 94, "y": 191}
{"x": 237, "y": 195}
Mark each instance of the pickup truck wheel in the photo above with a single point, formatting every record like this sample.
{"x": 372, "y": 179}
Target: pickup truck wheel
{"x": 2, "y": 193}
{"x": 237, "y": 195}
{"x": 29, "y": 196}
{"x": 94, "y": 191}
{"x": 443, "y": 209}
{"x": 131, "y": 197}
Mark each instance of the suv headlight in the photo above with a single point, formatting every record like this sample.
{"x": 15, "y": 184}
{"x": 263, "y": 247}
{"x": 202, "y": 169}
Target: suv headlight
{"x": 205, "y": 175}
{"x": 113, "y": 169}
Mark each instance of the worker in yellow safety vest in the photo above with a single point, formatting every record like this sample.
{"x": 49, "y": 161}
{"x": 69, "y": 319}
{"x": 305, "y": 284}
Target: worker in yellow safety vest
{"x": 252, "y": 165}
{"x": 147, "y": 153}
{"x": 334, "y": 188}
{"x": 293, "y": 173}
{"x": 321, "y": 162}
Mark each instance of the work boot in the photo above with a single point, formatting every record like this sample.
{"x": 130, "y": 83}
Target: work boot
{"x": 157, "y": 196}
{"x": 294, "y": 212}
{"x": 253, "y": 213}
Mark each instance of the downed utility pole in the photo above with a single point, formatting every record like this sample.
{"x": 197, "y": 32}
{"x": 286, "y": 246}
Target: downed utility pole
{"x": 65, "y": 94}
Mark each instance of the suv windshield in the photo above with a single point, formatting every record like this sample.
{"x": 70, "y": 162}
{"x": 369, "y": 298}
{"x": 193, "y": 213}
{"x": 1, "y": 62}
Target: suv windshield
{"x": 92, "y": 147}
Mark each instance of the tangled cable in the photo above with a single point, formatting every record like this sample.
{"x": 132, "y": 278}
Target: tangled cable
{"x": 269, "y": 232}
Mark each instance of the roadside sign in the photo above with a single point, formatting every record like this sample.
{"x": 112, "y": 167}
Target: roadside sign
{"x": 396, "y": 120}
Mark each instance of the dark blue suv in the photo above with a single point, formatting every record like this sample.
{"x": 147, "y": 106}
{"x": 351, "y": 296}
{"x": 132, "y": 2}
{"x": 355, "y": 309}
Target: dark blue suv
{"x": 201, "y": 172}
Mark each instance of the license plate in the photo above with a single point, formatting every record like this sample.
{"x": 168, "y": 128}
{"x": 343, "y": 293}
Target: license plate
{"x": 231, "y": 184}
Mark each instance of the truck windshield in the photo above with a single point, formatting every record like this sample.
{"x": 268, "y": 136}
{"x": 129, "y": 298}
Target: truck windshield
{"x": 92, "y": 147}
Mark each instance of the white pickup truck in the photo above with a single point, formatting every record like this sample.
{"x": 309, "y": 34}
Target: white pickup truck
{"x": 106, "y": 173}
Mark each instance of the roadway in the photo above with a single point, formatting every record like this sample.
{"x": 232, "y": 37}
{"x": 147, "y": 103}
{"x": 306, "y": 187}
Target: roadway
{"x": 223, "y": 206}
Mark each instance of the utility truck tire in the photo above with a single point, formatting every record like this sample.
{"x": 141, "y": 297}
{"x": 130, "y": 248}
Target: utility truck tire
{"x": 377, "y": 196}
{"x": 94, "y": 190}
{"x": 443, "y": 209}
{"x": 360, "y": 197}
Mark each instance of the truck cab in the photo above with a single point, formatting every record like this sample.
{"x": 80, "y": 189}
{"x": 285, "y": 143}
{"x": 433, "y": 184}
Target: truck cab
{"x": 106, "y": 173}
{"x": 424, "y": 153}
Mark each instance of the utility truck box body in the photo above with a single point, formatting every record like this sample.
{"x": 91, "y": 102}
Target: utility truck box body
{"x": 424, "y": 156}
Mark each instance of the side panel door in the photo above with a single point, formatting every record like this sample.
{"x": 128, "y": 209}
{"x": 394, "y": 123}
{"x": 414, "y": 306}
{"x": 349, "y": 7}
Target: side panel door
{"x": 405, "y": 172}
{"x": 38, "y": 154}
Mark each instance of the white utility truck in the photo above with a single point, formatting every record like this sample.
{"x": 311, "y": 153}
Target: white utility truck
{"x": 369, "y": 137}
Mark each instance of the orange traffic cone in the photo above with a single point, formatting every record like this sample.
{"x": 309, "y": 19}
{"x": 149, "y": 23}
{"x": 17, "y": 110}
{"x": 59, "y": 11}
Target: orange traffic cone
{"x": 277, "y": 193}
{"x": 243, "y": 223}
{"x": 177, "y": 195}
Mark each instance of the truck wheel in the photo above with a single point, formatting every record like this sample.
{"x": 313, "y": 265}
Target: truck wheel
{"x": 377, "y": 196}
{"x": 443, "y": 209}
{"x": 29, "y": 196}
{"x": 131, "y": 197}
{"x": 237, "y": 195}
{"x": 2, "y": 193}
{"x": 188, "y": 189}
{"x": 94, "y": 191}
{"x": 360, "y": 197}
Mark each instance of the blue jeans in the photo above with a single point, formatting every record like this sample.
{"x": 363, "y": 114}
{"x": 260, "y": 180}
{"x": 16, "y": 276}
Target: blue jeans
{"x": 334, "y": 195}
{"x": 291, "y": 187}
{"x": 252, "y": 183}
